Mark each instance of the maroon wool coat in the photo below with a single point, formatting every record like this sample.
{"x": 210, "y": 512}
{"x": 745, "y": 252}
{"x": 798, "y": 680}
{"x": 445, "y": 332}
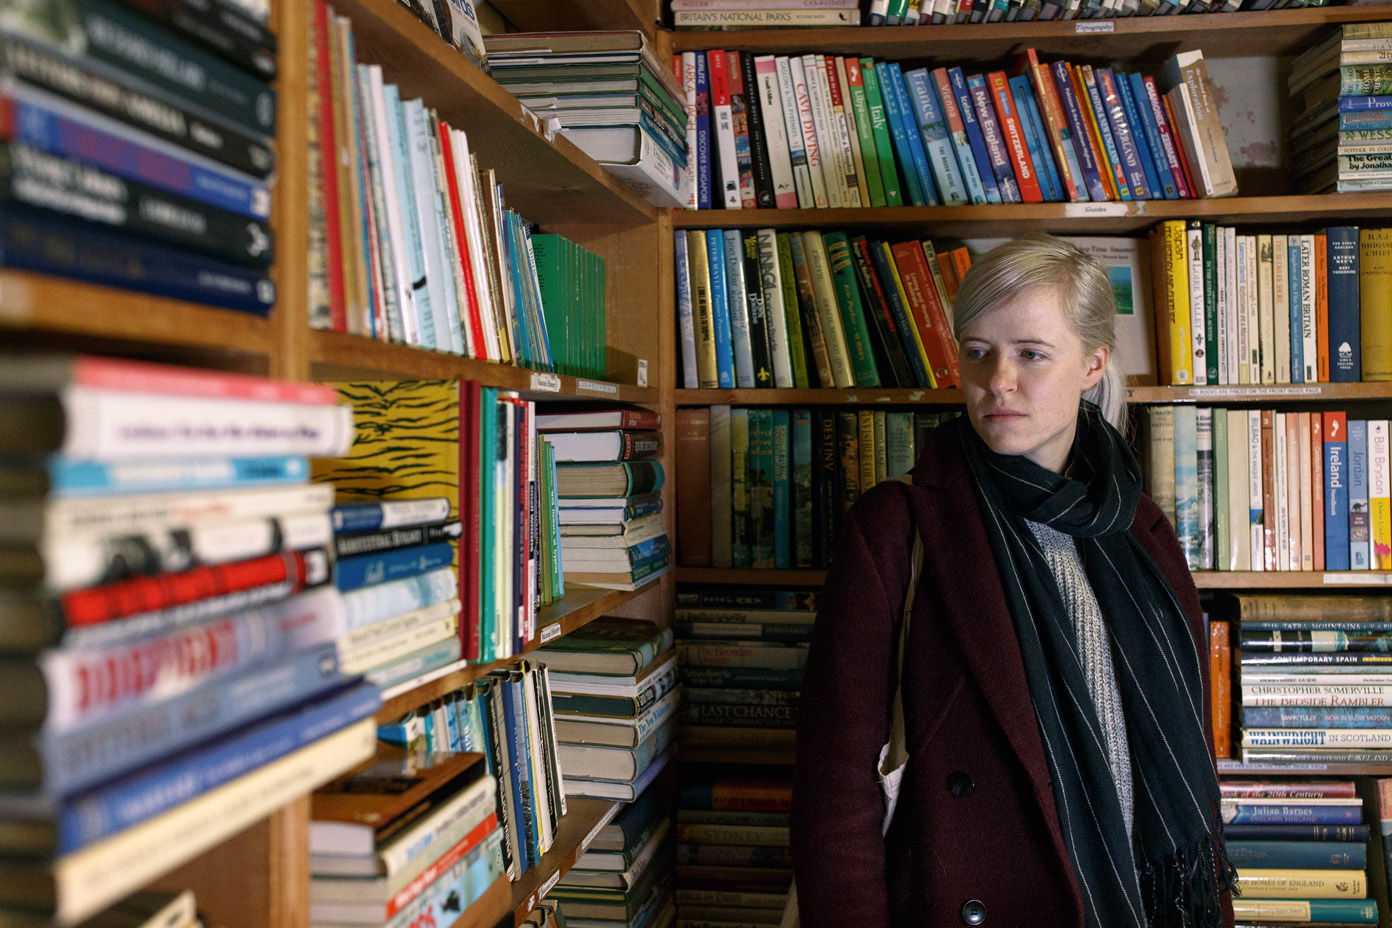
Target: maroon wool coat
{"x": 976, "y": 837}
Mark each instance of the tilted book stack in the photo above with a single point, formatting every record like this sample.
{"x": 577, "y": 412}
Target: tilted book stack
{"x": 136, "y": 150}
{"x": 168, "y": 619}
{"x": 615, "y": 700}
{"x": 1341, "y": 94}
{"x": 784, "y": 14}
{"x": 411, "y": 838}
{"x": 610, "y": 96}
{"x": 1301, "y": 852}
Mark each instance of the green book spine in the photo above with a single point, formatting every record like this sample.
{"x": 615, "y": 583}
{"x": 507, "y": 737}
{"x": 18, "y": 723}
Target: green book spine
{"x": 782, "y": 490}
{"x": 1221, "y": 472}
{"x": 860, "y": 105}
{"x": 760, "y": 480}
{"x": 1210, "y": 286}
{"x": 548, "y": 248}
{"x": 800, "y": 488}
{"x": 853, "y": 323}
{"x": 488, "y": 548}
{"x": 740, "y": 554}
{"x": 879, "y": 128}
{"x": 787, "y": 278}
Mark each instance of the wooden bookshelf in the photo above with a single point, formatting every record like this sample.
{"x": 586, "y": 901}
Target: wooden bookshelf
{"x": 579, "y": 827}
{"x": 855, "y": 396}
{"x": 529, "y": 16}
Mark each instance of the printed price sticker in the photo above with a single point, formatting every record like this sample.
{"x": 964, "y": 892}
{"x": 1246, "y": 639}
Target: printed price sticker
{"x": 1358, "y": 578}
{"x": 548, "y": 885}
{"x": 546, "y": 383}
{"x": 551, "y": 632}
{"x": 1083, "y": 28}
{"x": 642, "y": 372}
{"x": 594, "y": 833}
{"x": 595, "y": 386}
{"x": 1201, "y": 393}
{"x": 1126, "y": 208}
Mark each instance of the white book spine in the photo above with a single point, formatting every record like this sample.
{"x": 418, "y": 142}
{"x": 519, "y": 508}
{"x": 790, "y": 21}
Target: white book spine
{"x": 1280, "y": 307}
{"x": 824, "y": 290}
{"x": 1254, "y": 490}
{"x": 1309, "y": 340}
{"x": 775, "y": 132}
{"x": 774, "y": 312}
{"x": 409, "y": 199}
{"x": 809, "y": 133}
{"x": 386, "y": 650}
{"x": 740, "y": 336}
{"x": 386, "y": 155}
{"x": 384, "y": 268}
{"x": 1241, "y": 317}
{"x": 1254, "y": 344}
{"x": 1187, "y": 123}
{"x": 688, "y": 82}
{"x": 1227, "y": 282}
{"x": 792, "y": 124}
{"x": 686, "y": 318}
{"x": 1266, "y": 299}
{"x": 819, "y": 97}
{"x": 470, "y": 196}
{"x": 1207, "y": 516}
{"x": 857, "y": 156}
{"x": 1240, "y": 535}
{"x": 841, "y": 115}
{"x": 1193, "y": 244}
{"x": 1221, "y": 307}
{"x": 723, "y": 124}
{"x": 1280, "y": 493}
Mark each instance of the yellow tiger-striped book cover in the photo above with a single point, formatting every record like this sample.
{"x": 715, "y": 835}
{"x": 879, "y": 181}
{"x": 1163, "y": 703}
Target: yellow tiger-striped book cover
{"x": 1375, "y": 301}
{"x": 1170, "y": 281}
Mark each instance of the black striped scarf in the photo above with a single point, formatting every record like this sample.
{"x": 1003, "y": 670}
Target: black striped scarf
{"x": 1167, "y": 874}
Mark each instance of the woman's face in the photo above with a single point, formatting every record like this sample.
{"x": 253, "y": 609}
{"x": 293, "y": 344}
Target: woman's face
{"x": 1024, "y": 370}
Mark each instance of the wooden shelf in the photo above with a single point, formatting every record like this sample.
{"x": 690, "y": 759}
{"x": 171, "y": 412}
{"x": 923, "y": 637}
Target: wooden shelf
{"x": 821, "y": 397}
{"x": 579, "y": 606}
{"x": 339, "y": 356}
{"x": 41, "y": 304}
{"x": 579, "y": 826}
{"x": 991, "y": 220}
{"x": 1290, "y": 580}
{"x": 1150, "y": 38}
{"x": 530, "y": 16}
{"x": 749, "y": 576}
{"x": 546, "y": 177}
{"x": 1281, "y": 392}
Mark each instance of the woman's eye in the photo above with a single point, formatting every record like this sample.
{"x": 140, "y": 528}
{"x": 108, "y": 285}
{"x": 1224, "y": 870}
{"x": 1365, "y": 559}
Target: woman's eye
{"x": 1030, "y": 355}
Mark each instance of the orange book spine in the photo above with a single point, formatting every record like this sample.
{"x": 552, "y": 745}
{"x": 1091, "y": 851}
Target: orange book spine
{"x": 1322, "y": 307}
{"x": 1268, "y": 448}
{"x": 1317, "y": 488}
{"x": 1220, "y": 686}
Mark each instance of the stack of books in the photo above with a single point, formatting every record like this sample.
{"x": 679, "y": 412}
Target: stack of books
{"x": 454, "y": 452}
{"x": 1261, "y": 489}
{"x": 761, "y": 308}
{"x": 733, "y": 863}
{"x": 837, "y": 131}
{"x": 609, "y": 95}
{"x": 411, "y": 838}
{"x": 771, "y": 14}
{"x": 1300, "y": 850}
{"x": 624, "y": 880}
{"x": 409, "y": 239}
{"x": 140, "y": 148}
{"x": 741, "y": 652}
{"x": 545, "y": 915}
{"x": 612, "y": 540}
{"x": 779, "y": 480}
{"x": 1315, "y": 678}
{"x": 614, "y": 699}
{"x": 784, "y": 14}
{"x": 1284, "y": 307}
{"x": 1341, "y": 92}
{"x": 170, "y": 619}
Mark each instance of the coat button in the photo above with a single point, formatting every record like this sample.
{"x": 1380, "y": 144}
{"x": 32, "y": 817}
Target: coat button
{"x": 959, "y": 783}
{"x": 973, "y": 912}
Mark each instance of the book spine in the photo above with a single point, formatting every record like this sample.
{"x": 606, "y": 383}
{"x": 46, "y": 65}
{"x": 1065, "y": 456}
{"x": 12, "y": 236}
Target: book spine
{"x": 761, "y": 329}
{"x": 992, "y": 131}
{"x": 724, "y": 348}
{"x": 771, "y": 106}
{"x": 1012, "y": 138}
{"x": 1302, "y": 883}
{"x": 899, "y": 132}
{"x": 765, "y": 242}
{"x": 852, "y": 311}
{"x": 1133, "y": 91}
{"x": 1336, "y": 495}
{"x": 1036, "y": 138}
{"x": 363, "y": 570}
{"x": 865, "y": 134}
{"x": 828, "y": 311}
{"x": 1379, "y": 490}
{"x": 739, "y": 309}
{"x": 819, "y": 356}
{"x": 394, "y": 513}
{"x": 370, "y": 604}
{"x": 792, "y": 123}
{"x": 703, "y": 133}
{"x": 740, "y": 551}
{"x": 896, "y": 332}
{"x": 932, "y": 126}
{"x": 723, "y": 128}
{"x": 74, "y": 478}
{"x": 761, "y": 162}
{"x": 233, "y": 35}
{"x": 1056, "y": 126}
{"x": 1088, "y": 154}
{"x": 881, "y": 130}
{"x": 843, "y": 120}
{"x": 981, "y": 154}
{"x": 744, "y": 142}
{"x": 1125, "y": 133}
{"x": 802, "y": 95}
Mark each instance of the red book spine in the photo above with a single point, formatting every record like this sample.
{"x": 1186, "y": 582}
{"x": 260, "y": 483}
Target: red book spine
{"x": 1179, "y": 149}
{"x": 1317, "y": 487}
{"x": 328, "y": 166}
{"x": 1167, "y": 139}
{"x": 141, "y": 595}
{"x": 436, "y": 869}
{"x": 1220, "y": 686}
{"x": 125, "y": 376}
{"x": 1268, "y": 441}
{"x": 1030, "y": 191}
{"x": 470, "y": 517}
{"x": 474, "y": 318}
{"x": 927, "y": 312}
{"x": 719, "y": 78}
{"x": 740, "y": 102}
{"x": 1055, "y": 122}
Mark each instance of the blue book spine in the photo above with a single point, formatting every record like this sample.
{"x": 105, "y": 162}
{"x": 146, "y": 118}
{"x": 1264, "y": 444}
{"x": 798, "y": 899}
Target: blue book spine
{"x": 703, "y": 134}
{"x": 1336, "y": 522}
{"x": 1141, "y": 133}
{"x": 1360, "y": 525}
{"x": 370, "y": 604}
{"x": 920, "y": 157}
{"x": 995, "y": 140}
{"x": 686, "y": 319}
{"x": 889, "y": 90}
{"x": 980, "y": 155}
{"x": 519, "y": 766}
{"x": 33, "y": 241}
{"x": 724, "y": 353}
{"x": 369, "y": 517}
{"x": 1297, "y": 344}
{"x": 1345, "y": 321}
{"x": 801, "y": 488}
{"x": 1110, "y": 148}
{"x": 932, "y": 127}
{"x": 456, "y": 889}
{"x": 422, "y": 326}
{"x": 1343, "y": 911}
{"x": 142, "y": 795}
{"x": 1292, "y": 813}
{"x": 1317, "y": 717}
{"x": 1300, "y": 855}
{"x": 1364, "y": 104}
{"x": 782, "y": 491}
{"x": 368, "y": 569}
{"x": 737, "y": 308}
{"x": 69, "y": 478}
{"x": 1040, "y": 152}
{"x": 1186, "y": 466}
{"x": 62, "y": 128}
{"x": 1079, "y": 134}
{"x": 82, "y": 757}
{"x": 1124, "y": 132}
{"x": 431, "y": 657}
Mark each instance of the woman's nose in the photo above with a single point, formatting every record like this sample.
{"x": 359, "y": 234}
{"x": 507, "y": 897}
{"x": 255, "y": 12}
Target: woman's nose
{"x": 1002, "y": 380}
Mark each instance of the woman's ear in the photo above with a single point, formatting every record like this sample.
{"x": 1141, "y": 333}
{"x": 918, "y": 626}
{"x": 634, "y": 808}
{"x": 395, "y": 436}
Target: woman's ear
{"x": 1097, "y": 364}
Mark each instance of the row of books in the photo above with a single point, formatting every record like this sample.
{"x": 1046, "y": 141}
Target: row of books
{"x": 610, "y": 95}
{"x": 784, "y": 14}
{"x": 171, "y": 620}
{"x": 1340, "y": 131}
{"x": 1286, "y": 307}
{"x": 762, "y": 308}
{"x": 410, "y": 240}
{"x": 1259, "y": 489}
{"x": 139, "y": 152}
{"x": 768, "y": 487}
{"x": 828, "y": 131}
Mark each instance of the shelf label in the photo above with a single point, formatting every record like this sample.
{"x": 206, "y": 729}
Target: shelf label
{"x": 1359, "y": 578}
{"x": 595, "y": 386}
{"x": 546, "y": 383}
{"x": 1083, "y": 28}
{"x": 1200, "y": 393}
{"x": 16, "y": 301}
{"x": 1084, "y": 210}
{"x": 551, "y": 632}
{"x": 594, "y": 833}
{"x": 549, "y": 885}
{"x": 642, "y": 372}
